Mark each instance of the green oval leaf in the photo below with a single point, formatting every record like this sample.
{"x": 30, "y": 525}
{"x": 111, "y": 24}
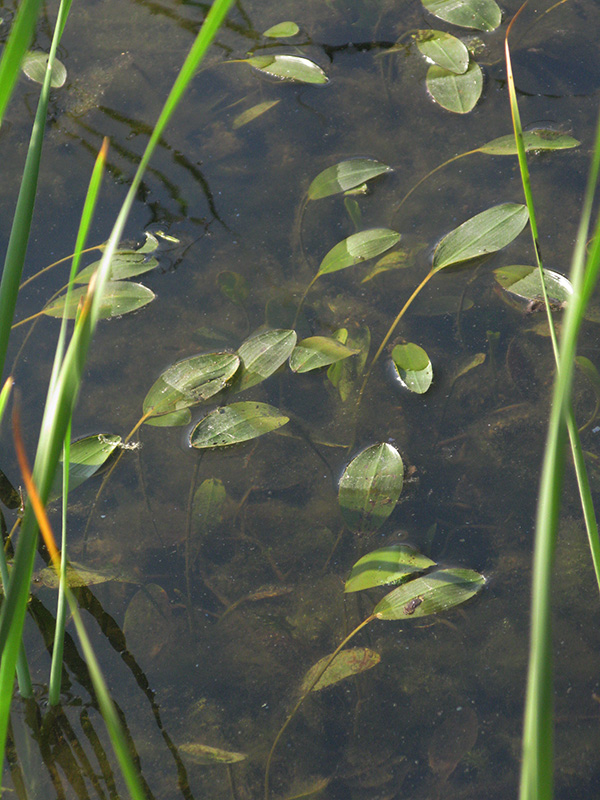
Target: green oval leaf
{"x": 252, "y": 113}
{"x": 537, "y": 140}
{"x": 344, "y": 375}
{"x": 484, "y": 233}
{"x": 444, "y": 50}
{"x": 524, "y": 281}
{"x": 236, "y": 423}
{"x": 119, "y": 298}
{"x": 357, "y": 248}
{"x": 386, "y": 565}
{"x": 316, "y": 352}
{"x": 346, "y": 664}
{"x": 124, "y": 264}
{"x": 189, "y": 382}
{"x": 207, "y": 507}
{"x": 413, "y": 367}
{"x": 370, "y": 487}
{"x": 289, "y": 68}
{"x": 344, "y": 176}
{"x": 456, "y": 93}
{"x": 34, "y": 65}
{"x": 203, "y": 754}
{"x": 172, "y": 420}
{"x": 283, "y": 30}
{"x": 261, "y": 355}
{"x": 438, "y": 591}
{"x": 86, "y": 457}
{"x": 483, "y": 15}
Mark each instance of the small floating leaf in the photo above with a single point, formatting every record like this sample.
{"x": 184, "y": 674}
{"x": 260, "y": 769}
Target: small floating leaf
{"x": 189, "y": 382}
{"x": 86, "y": 457}
{"x": 236, "y": 423}
{"x": 203, "y": 754}
{"x": 438, "y": 591}
{"x": 233, "y": 286}
{"x": 386, "y": 565}
{"x": 124, "y": 264}
{"x": 118, "y": 298}
{"x": 252, "y": 113}
{"x": 261, "y": 355}
{"x": 539, "y": 139}
{"x": 283, "y": 30}
{"x": 444, "y": 50}
{"x": 318, "y": 351}
{"x": 291, "y": 68}
{"x": 484, "y": 233}
{"x": 344, "y": 176}
{"x": 344, "y": 665}
{"x": 524, "y": 281}
{"x": 370, "y": 487}
{"x": 78, "y": 576}
{"x": 34, "y": 65}
{"x": 456, "y": 93}
{"x": 357, "y": 248}
{"x": 413, "y": 367}
{"x": 483, "y": 15}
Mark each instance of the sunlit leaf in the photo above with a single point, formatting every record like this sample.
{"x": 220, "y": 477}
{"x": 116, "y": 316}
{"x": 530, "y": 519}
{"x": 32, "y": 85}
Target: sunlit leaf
{"x": 456, "y": 93}
{"x": 86, "y": 457}
{"x": 148, "y": 624}
{"x": 344, "y": 665}
{"x": 357, "y": 248}
{"x": 386, "y": 565}
{"x": 261, "y": 355}
{"x": 236, "y": 423}
{"x": 252, "y": 113}
{"x": 345, "y": 175}
{"x": 204, "y": 754}
{"x": 34, "y": 65}
{"x": 430, "y": 594}
{"x": 190, "y": 382}
{"x": 483, "y": 15}
{"x": 484, "y": 233}
{"x": 78, "y": 576}
{"x": 151, "y": 243}
{"x": 536, "y": 140}
{"x": 524, "y": 281}
{"x": 124, "y": 264}
{"x": 283, "y": 30}
{"x": 291, "y": 68}
{"x": 444, "y": 50}
{"x": 344, "y": 374}
{"x": 318, "y": 351}
{"x": 119, "y": 298}
{"x": 233, "y": 286}
{"x": 413, "y": 367}
{"x": 172, "y": 420}
{"x": 370, "y": 487}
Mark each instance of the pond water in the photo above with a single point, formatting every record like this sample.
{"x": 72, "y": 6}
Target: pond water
{"x": 213, "y": 648}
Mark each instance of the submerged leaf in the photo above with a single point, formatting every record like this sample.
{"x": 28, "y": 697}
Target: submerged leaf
{"x": 204, "y": 754}
{"x": 444, "y": 50}
{"x": 456, "y": 93}
{"x": 207, "y": 511}
{"x": 344, "y": 374}
{"x": 236, "y": 423}
{"x": 413, "y": 367}
{"x": 438, "y": 591}
{"x": 484, "y": 233}
{"x": 252, "y": 113}
{"x": 483, "y": 15}
{"x": 291, "y": 68}
{"x": 318, "y": 351}
{"x": 386, "y": 565}
{"x": 119, "y": 298}
{"x": 344, "y": 176}
{"x": 283, "y": 30}
{"x": 148, "y": 624}
{"x": 539, "y": 139}
{"x": 78, "y": 576}
{"x": 524, "y": 281}
{"x": 233, "y": 286}
{"x": 34, "y": 65}
{"x": 357, "y": 248}
{"x": 262, "y": 355}
{"x": 370, "y": 487}
{"x": 344, "y": 665}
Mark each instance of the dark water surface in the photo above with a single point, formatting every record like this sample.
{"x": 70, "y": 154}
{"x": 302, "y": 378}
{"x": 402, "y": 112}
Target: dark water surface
{"x": 440, "y": 716}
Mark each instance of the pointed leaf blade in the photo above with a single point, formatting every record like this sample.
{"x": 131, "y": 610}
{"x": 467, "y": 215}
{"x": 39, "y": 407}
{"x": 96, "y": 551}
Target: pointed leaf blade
{"x": 86, "y": 457}
{"x": 430, "y": 594}
{"x": 524, "y": 281}
{"x": 289, "y": 68}
{"x": 483, "y": 15}
{"x": 236, "y": 423}
{"x": 444, "y": 50}
{"x": 456, "y": 93}
{"x": 344, "y": 176}
{"x": 204, "y": 754}
{"x": 119, "y": 298}
{"x": 283, "y": 30}
{"x": 262, "y": 355}
{"x": 253, "y": 113}
{"x": 358, "y": 248}
{"x": 386, "y": 565}
{"x": 318, "y": 351}
{"x": 346, "y": 664}
{"x": 536, "y": 140}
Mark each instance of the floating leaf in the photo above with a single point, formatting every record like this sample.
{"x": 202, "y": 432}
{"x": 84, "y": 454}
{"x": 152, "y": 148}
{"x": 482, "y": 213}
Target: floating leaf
{"x": 484, "y": 233}
{"x": 413, "y": 367}
{"x": 444, "y": 50}
{"x": 318, "y": 351}
{"x": 370, "y": 487}
{"x": 346, "y": 664}
{"x": 78, "y": 576}
{"x": 233, "y": 286}
{"x": 344, "y": 374}
{"x": 283, "y": 30}
{"x": 357, "y": 248}
{"x": 203, "y": 754}
{"x": 86, "y": 457}
{"x": 118, "y": 298}
{"x": 148, "y": 623}
{"x": 430, "y": 594}
{"x": 252, "y": 113}
{"x": 172, "y": 420}
{"x": 291, "y": 68}
{"x": 34, "y": 65}
{"x": 262, "y": 355}
{"x": 236, "y": 423}
{"x": 189, "y": 382}
{"x": 539, "y": 139}
{"x": 344, "y": 176}
{"x": 524, "y": 281}
{"x": 151, "y": 243}
{"x": 386, "y": 565}
{"x": 456, "y": 93}
{"x": 483, "y": 15}
{"x": 124, "y": 264}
